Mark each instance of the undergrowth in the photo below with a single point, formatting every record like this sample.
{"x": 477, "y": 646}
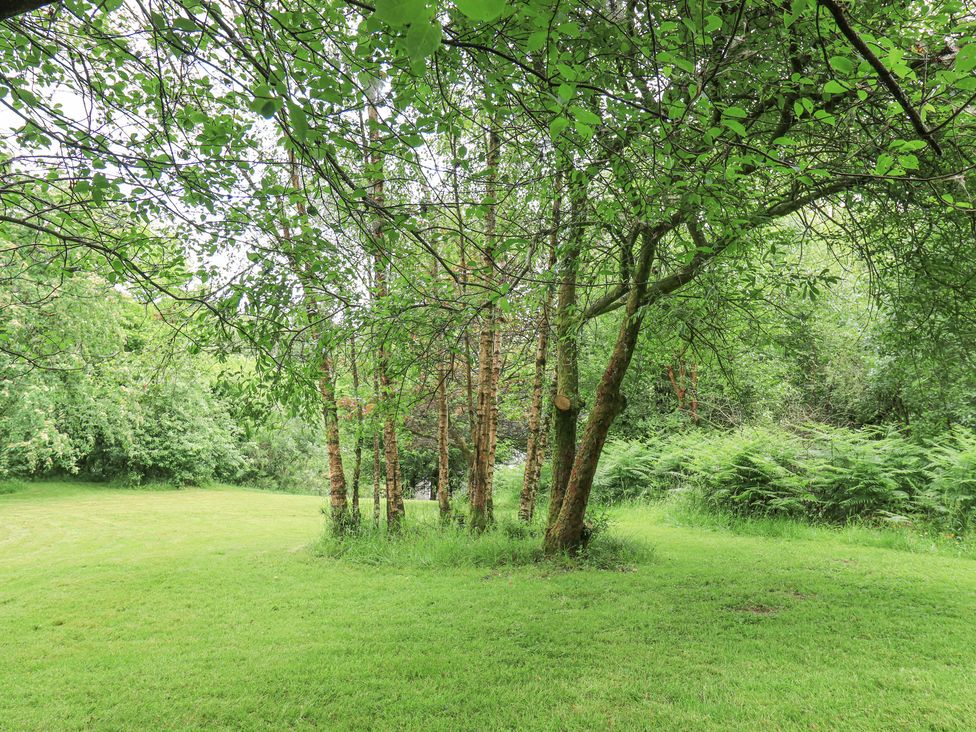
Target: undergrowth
{"x": 812, "y": 472}
{"x": 423, "y": 542}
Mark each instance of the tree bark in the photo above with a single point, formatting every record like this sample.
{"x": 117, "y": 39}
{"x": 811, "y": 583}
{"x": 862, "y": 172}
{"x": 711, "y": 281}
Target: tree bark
{"x": 358, "y": 450}
{"x": 337, "y": 479}
{"x": 376, "y": 476}
{"x": 496, "y": 373}
{"x": 479, "y": 481}
{"x": 394, "y": 482}
{"x": 567, "y": 401}
{"x": 535, "y": 447}
{"x": 566, "y": 532}
{"x": 443, "y": 451}
{"x": 478, "y": 477}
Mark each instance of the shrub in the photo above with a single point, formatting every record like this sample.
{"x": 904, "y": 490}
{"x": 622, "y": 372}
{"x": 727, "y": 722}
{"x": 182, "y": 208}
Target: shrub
{"x": 951, "y": 495}
{"x": 816, "y": 473}
{"x": 861, "y": 474}
{"x": 627, "y": 470}
{"x": 753, "y": 471}
{"x": 287, "y": 456}
{"x": 813, "y": 472}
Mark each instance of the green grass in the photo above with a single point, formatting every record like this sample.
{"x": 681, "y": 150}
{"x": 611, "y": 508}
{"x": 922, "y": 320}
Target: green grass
{"x": 903, "y": 535}
{"x": 217, "y": 609}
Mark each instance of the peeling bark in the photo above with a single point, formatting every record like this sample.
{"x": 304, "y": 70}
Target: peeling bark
{"x": 480, "y": 476}
{"x": 536, "y": 445}
{"x": 443, "y": 452}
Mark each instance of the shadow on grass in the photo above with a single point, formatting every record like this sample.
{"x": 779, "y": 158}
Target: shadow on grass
{"x": 429, "y": 544}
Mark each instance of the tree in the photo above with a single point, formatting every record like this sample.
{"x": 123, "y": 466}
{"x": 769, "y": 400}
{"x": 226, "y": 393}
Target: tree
{"x": 682, "y": 134}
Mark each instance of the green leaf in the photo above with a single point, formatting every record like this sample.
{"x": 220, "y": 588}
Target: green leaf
{"x": 584, "y": 130}
{"x": 422, "y": 39}
{"x": 481, "y": 10}
{"x": 568, "y": 72}
{"x": 536, "y": 41}
{"x": 736, "y": 126}
{"x": 885, "y": 161}
{"x": 266, "y": 107}
{"x": 966, "y": 58}
{"x": 570, "y": 30}
{"x": 841, "y": 64}
{"x": 400, "y": 13}
{"x": 796, "y": 10}
{"x": 834, "y": 87}
{"x": 298, "y": 120}
{"x": 585, "y": 116}
{"x": 908, "y": 162}
{"x": 186, "y": 24}
{"x": 737, "y": 112}
{"x": 557, "y": 126}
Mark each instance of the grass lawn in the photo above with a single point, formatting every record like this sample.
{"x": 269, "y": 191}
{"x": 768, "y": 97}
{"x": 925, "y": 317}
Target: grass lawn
{"x": 206, "y": 609}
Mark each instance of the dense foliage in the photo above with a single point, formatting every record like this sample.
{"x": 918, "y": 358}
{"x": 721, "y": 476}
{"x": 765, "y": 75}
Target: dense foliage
{"x": 398, "y": 217}
{"x": 814, "y": 473}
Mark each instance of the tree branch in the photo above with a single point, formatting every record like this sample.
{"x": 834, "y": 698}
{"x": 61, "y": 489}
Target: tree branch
{"x": 14, "y": 8}
{"x": 886, "y": 78}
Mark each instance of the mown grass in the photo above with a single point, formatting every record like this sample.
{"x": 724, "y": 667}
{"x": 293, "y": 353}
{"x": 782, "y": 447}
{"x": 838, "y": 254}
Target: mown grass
{"x": 218, "y": 609}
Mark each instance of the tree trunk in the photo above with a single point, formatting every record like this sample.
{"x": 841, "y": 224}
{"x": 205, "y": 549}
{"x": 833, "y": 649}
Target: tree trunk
{"x": 566, "y": 533}
{"x": 478, "y": 477}
{"x": 566, "y": 402}
{"x": 535, "y": 447}
{"x": 376, "y": 477}
{"x": 542, "y": 445}
{"x": 394, "y": 483}
{"x": 496, "y": 373}
{"x": 337, "y": 478}
{"x": 443, "y": 452}
{"x": 479, "y": 481}
{"x": 358, "y": 453}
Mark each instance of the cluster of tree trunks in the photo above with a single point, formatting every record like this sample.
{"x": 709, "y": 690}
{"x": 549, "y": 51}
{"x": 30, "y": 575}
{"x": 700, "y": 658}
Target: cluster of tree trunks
{"x": 565, "y": 531}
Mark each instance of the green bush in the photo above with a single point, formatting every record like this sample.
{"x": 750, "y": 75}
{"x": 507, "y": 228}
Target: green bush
{"x": 862, "y": 474}
{"x": 287, "y": 455}
{"x": 950, "y": 497}
{"x": 814, "y": 472}
{"x": 627, "y": 470}
{"x": 753, "y": 471}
